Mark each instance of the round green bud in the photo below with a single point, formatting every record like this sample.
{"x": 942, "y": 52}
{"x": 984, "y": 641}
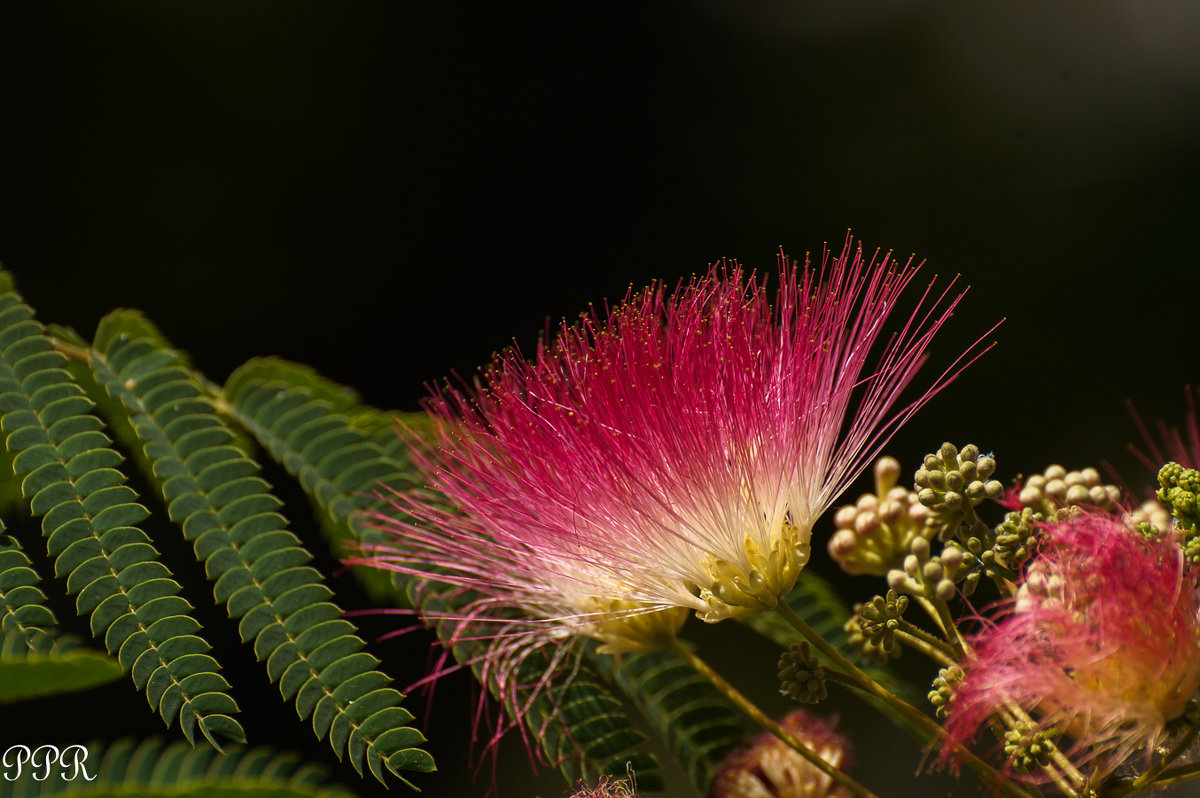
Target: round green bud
{"x": 948, "y": 453}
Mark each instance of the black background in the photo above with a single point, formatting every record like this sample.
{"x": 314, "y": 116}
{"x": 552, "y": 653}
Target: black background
{"x": 391, "y": 191}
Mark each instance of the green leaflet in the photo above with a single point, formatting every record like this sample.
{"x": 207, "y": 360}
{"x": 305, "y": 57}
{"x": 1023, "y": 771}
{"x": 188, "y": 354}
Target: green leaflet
{"x": 260, "y": 570}
{"x": 699, "y": 725}
{"x": 69, "y": 476}
{"x": 342, "y": 453}
{"x": 50, "y": 664}
{"x": 152, "y": 768}
{"x": 33, "y": 661}
{"x": 22, "y": 611}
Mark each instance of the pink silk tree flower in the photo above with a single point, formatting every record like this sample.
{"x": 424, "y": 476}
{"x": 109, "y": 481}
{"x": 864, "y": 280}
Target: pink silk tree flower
{"x": 769, "y": 768}
{"x": 1102, "y": 645}
{"x": 668, "y": 455}
{"x": 607, "y": 787}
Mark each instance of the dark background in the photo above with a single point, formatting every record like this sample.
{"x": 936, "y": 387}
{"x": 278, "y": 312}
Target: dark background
{"x": 389, "y": 191}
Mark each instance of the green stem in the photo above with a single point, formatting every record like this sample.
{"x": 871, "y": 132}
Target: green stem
{"x": 916, "y": 637}
{"x": 947, "y": 623}
{"x": 1152, "y": 776}
{"x": 765, "y": 721}
{"x": 930, "y": 729}
{"x": 1172, "y": 776}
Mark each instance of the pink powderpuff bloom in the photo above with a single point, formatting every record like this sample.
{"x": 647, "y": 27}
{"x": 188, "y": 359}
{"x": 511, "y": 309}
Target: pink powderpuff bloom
{"x": 666, "y": 456}
{"x": 769, "y": 768}
{"x": 1102, "y": 644}
{"x": 606, "y": 788}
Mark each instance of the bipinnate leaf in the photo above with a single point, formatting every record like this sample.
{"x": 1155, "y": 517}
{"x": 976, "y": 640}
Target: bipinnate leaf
{"x": 34, "y": 660}
{"x": 70, "y": 476}
{"x": 259, "y": 568}
{"x": 698, "y": 724}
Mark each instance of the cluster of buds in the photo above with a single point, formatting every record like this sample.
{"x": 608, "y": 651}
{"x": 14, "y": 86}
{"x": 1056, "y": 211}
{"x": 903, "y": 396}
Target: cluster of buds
{"x": 926, "y": 575}
{"x": 768, "y": 768}
{"x": 952, "y": 482}
{"x": 801, "y": 677}
{"x": 872, "y": 535}
{"x": 993, "y": 553}
{"x": 872, "y": 627}
{"x": 1179, "y": 490}
{"x": 1150, "y": 513}
{"x": 1028, "y": 747}
{"x": 1057, "y": 487}
{"x": 943, "y": 689}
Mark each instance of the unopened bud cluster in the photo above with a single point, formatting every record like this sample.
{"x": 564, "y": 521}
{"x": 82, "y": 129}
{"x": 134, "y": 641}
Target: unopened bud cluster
{"x": 1057, "y": 487}
{"x": 872, "y": 535}
{"x": 951, "y": 480}
{"x": 996, "y": 554}
{"x": 872, "y": 628}
{"x": 926, "y": 575}
{"x": 801, "y": 677}
{"x": 1152, "y": 513}
{"x": 943, "y": 689}
{"x": 1027, "y": 747}
{"x": 1180, "y": 491}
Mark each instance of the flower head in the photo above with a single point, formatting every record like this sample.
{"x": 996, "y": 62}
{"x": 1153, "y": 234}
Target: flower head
{"x": 769, "y": 768}
{"x": 668, "y": 455}
{"x": 1102, "y": 644}
{"x": 607, "y": 787}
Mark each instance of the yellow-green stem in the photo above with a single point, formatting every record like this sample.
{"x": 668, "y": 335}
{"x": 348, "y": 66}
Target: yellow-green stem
{"x": 947, "y": 623}
{"x": 1152, "y": 775}
{"x": 765, "y": 721}
{"x": 927, "y": 644}
{"x": 927, "y": 725}
{"x": 1176, "y": 775}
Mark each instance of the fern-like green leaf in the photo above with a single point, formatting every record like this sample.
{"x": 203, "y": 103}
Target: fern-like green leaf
{"x": 315, "y": 429}
{"x": 260, "y": 569}
{"x": 342, "y": 459}
{"x": 34, "y": 661}
{"x": 153, "y": 769}
{"x": 69, "y": 476}
{"x": 23, "y": 612}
